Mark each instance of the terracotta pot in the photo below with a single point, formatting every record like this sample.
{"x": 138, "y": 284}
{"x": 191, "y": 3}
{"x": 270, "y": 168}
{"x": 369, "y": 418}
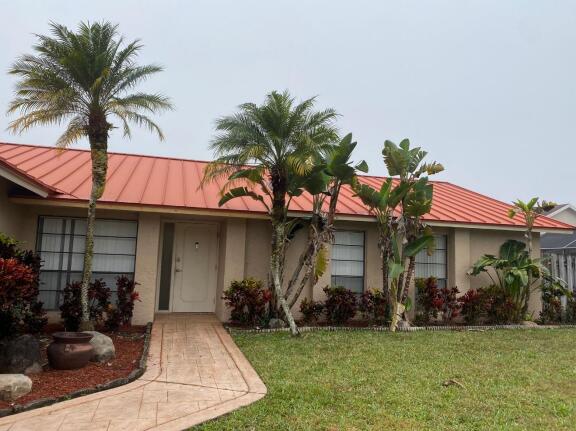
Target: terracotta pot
{"x": 70, "y": 350}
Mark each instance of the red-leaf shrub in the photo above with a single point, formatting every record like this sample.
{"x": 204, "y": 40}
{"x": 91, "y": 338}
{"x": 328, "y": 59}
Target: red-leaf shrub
{"x": 427, "y": 300}
{"x": 340, "y": 304}
{"x": 489, "y": 304}
{"x": 475, "y": 304}
{"x": 434, "y": 302}
{"x": 373, "y": 304}
{"x": 311, "y": 310}
{"x": 248, "y": 301}
{"x": 121, "y": 313}
{"x": 71, "y": 308}
{"x": 20, "y": 310}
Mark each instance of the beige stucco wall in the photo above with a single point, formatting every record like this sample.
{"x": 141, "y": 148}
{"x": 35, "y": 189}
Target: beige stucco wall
{"x": 146, "y": 270}
{"x": 10, "y": 214}
{"x": 231, "y": 262}
{"x": 244, "y": 250}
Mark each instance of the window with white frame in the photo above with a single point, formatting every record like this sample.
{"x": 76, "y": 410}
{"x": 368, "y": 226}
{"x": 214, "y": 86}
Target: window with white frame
{"x": 347, "y": 260}
{"x": 61, "y": 242}
{"x": 434, "y": 265}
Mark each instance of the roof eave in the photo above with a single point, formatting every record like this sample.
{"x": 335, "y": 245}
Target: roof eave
{"x": 17, "y": 177}
{"x": 67, "y": 202}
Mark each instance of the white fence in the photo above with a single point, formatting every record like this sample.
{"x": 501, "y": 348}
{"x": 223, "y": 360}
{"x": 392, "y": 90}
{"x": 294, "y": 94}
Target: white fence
{"x": 563, "y": 266}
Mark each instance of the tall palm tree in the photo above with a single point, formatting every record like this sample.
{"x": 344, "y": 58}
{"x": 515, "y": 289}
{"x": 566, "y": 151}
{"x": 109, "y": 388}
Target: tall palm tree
{"x": 83, "y": 79}
{"x": 272, "y": 146}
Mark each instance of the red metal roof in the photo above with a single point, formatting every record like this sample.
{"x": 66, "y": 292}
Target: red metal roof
{"x": 161, "y": 181}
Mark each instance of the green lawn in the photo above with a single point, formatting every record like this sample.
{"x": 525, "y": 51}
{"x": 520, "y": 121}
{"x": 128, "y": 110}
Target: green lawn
{"x": 513, "y": 380}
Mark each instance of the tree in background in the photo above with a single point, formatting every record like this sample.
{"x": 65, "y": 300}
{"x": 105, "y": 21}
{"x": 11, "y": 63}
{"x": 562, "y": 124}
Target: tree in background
{"x": 83, "y": 79}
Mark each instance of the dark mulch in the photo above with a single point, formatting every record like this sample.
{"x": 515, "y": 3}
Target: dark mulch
{"x": 56, "y": 383}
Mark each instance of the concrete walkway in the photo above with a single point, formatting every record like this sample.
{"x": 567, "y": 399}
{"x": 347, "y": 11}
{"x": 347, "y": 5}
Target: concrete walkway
{"x": 195, "y": 373}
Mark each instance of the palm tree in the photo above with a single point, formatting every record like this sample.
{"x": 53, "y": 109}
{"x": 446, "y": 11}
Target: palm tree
{"x": 272, "y": 147}
{"x": 83, "y": 79}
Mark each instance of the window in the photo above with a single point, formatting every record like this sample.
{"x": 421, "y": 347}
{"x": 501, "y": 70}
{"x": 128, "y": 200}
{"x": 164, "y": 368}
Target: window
{"x": 434, "y": 265}
{"x": 348, "y": 260}
{"x": 61, "y": 246}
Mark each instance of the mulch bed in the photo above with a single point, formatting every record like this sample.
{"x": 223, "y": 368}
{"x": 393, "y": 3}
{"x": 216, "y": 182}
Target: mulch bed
{"x": 56, "y": 383}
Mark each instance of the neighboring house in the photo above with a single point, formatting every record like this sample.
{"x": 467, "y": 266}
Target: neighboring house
{"x": 155, "y": 223}
{"x": 559, "y": 251}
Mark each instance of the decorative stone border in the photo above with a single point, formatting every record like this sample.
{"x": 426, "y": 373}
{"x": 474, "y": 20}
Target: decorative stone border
{"x": 386, "y": 329}
{"x": 134, "y": 374}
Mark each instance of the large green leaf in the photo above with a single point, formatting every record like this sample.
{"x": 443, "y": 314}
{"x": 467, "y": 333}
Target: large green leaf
{"x": 395, "y": 269}
{"x": 419, "y": 244}
{"x": 252, "y": 174}
{"x": 239, "y": 192}
{"x": 362, "y": 166}
{"x": 511, "y": 249}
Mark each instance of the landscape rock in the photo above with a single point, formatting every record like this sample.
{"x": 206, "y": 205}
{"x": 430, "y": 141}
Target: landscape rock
{"x": 20, "y": 355}
{"x": 13, "y": 386}
{"x": 529, "y": 323}
{"x": 276, "y": 324}
{"x": 103, "y": 347}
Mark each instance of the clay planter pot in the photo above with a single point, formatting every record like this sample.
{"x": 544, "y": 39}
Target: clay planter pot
{"x": 70, "y": 350}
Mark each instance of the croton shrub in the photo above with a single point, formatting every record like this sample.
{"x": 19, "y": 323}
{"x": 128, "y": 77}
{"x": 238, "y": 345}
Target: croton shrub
{"x": 435, "y": 303}
{"x": 248, "y": 301}
{"x": 373, "y": 305}
{"x": 340, "y": 304}
{"x": 20, "y": 310}
{"x": 311, "y": 310}
{"x": 102, "y": 311}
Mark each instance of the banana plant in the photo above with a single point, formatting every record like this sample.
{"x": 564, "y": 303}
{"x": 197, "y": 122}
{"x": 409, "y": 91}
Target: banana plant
{"x": 515, "y": 272}
{"x": 530, "y": 211}
{"x": 333, "y": 169}
{"x": 398, "y": 207}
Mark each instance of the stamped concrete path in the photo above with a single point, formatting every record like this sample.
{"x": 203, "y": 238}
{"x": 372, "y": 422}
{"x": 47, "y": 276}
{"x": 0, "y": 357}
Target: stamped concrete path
{"x": 195, "y": 372}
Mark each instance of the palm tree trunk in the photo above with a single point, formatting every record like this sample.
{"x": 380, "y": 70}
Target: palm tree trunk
{"x": 276, "y": 263}
{"x": 99, "y": 157}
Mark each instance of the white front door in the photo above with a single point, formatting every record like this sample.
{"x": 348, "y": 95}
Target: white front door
{"x": 195, "y": 271}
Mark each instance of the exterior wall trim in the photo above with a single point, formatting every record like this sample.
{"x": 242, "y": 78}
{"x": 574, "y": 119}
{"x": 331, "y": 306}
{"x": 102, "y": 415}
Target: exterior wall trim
{"x": 254, "y": 215}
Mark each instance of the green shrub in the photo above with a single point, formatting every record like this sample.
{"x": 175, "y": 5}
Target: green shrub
{"x": 248, "y": 302}
{"x": 373, "y": 306}
{"x": 552, "y": 311}
{"x": 311, "y": 310}
{"x": 340, "y": 304}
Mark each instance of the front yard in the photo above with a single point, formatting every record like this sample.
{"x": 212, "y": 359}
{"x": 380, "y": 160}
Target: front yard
{"x": 511, "y": 380}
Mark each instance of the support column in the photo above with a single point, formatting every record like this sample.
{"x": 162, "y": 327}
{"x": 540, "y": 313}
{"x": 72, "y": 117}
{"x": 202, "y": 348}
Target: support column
{"x": 459, "y": 259}
{"x": 231, "y": 262}
{"x": 146, "y": 271}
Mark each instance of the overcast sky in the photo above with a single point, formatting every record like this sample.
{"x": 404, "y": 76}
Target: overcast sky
{"x": 488, "y": 87}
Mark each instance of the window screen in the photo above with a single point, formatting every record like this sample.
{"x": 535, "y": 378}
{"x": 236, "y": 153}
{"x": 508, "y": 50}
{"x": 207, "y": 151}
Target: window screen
{"x": 434, "y": 265}
{"x": 61, "y": 246}
{"x": 348, "y": 260}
